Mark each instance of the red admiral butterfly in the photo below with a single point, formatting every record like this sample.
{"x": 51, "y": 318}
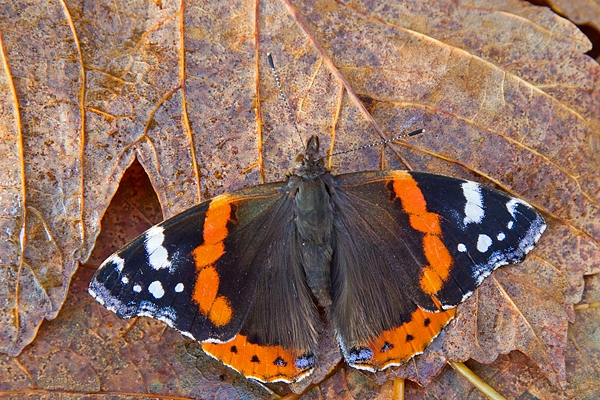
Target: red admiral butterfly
{"x": 387, "y": 254}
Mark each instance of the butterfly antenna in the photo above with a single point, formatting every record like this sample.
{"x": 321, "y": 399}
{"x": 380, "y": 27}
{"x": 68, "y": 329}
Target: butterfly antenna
{"x": 413, "y": 133}
{"x": 283, "y": 97}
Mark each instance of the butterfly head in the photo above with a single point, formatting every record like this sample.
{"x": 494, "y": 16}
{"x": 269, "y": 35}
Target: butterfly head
{"x": 308, "y": 164}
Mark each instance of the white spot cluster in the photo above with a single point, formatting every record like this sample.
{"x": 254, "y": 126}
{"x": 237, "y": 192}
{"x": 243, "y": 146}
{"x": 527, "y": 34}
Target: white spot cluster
{"x": 474, "y": 211}
{"x": 144, "y": 308}
{"x": 507, "y": 256}
{"x": 158, "y": 256}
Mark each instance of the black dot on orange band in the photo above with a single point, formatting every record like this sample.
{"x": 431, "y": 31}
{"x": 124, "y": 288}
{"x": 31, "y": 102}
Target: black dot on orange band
{"x": 409, "y": 338}
{"x": 386, "y": 346}
{"x": 255, "y": 359}
{"x": 234, "y": 349}
{"x": 426, "y": 322}
{"x": 280, "y": 362}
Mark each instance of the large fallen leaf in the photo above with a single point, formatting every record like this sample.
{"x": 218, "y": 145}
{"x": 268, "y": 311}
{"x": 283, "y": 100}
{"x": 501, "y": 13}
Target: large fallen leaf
{"x": 503, "y": 90}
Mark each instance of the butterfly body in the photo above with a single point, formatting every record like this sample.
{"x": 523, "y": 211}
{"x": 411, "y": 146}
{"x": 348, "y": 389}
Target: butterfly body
{"x": 388, "y": 255}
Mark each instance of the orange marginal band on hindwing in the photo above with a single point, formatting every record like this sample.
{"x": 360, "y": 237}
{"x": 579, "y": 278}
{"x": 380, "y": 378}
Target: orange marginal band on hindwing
{"x": 265, "y": 363}
{"x": 216, "y": 308}
{"x": 438, "y": 256}
{"x": 398, "y": 345}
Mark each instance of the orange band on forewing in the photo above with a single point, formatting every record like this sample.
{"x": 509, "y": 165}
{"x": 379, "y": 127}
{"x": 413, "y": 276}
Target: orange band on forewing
{"x": 217, "y": 309}
{"x": 398, "y": 345}
{"x": 440, "y": 261}
{"x": 208, "y": 254}
{"x": 206, "y": 288}
{"x": 215, "y": 222}
{"x": 426, "y": 222}
{"x": 431, "y": 282}
{"x": 220, "y": 312}
{"x": 411, "y": 196}
{"x": 265, "y": 363}
{"x": 414, "y": 204}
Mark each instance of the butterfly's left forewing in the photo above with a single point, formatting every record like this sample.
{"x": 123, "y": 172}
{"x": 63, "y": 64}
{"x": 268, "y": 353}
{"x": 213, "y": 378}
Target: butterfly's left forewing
{"x": 174, "y": 271}
{"x": 409, "y": 247}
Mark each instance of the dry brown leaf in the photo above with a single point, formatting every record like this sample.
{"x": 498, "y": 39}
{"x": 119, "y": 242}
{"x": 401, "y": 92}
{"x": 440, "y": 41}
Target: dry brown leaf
{"x": 581, "y": 12}
{"x": 504, "y": 91}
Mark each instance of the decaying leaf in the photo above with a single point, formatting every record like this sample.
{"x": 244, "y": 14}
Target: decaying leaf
{"x": 503, "y": 89}
{"x": 580, "y": 12}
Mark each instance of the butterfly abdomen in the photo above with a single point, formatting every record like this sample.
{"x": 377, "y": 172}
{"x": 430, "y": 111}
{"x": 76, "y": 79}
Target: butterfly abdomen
{"x": 314, "y": 221}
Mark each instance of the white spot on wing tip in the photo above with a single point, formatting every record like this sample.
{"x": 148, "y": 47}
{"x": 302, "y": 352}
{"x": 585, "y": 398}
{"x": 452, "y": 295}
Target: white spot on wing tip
{"x": 512, "y": 204}
{"x": 501, "y": 236}
{"x": 462, "y": 248}
{"x": 474, "y": 211}
{"x": 541, "y": 230}
{"x": 158, "y": 256}
{"x": 179, "y": 287}
{"x": 95, "y": 296}
{"x": 116, "y": 260}
{"x": 137, "y": 288}
{"x": 119, "y": 262}
{"x": 156, "y": 235}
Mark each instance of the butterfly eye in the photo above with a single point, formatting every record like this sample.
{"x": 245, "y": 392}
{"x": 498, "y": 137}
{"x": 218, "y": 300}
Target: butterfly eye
{"x": 300, "y": 157}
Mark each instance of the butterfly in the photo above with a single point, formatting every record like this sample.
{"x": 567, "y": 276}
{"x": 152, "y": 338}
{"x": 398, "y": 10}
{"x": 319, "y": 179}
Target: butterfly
{"x": 382, "y": 257}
